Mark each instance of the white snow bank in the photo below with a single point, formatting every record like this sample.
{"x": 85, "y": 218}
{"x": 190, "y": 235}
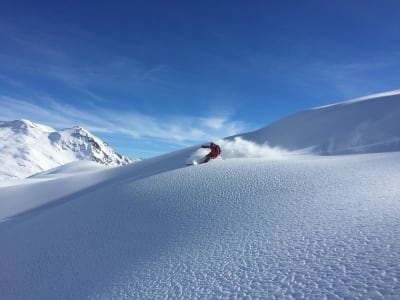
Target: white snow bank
{"x": 49, "y": 187}
{"x": 315, "y": 227}
{"x": 71, "y": 169}
{"x": 373, "y": 96}
{"x": 20, "y": 196}
{"x": 363, "y": 125}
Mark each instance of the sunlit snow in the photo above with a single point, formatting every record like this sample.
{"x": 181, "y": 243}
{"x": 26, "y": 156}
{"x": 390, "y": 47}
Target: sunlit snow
{"x": 27, "y": 148}
{"x": 265, "y": 221}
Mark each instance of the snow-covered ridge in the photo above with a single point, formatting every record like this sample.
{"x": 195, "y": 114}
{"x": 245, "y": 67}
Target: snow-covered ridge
{"x": 27, "y": 148}
{"x": 363, "y": 125}
{"x": 373, "y": 96}
{"x": 87, "y": 146}
{"x": 24, "y": 125}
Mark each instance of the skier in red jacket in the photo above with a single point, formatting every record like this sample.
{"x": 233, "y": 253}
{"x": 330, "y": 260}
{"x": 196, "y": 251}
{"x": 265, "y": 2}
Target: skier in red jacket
{"x": 215, "y": 151}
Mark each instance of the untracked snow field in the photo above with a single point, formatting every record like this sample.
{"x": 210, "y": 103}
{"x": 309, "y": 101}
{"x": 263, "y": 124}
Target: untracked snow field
{"x": 309, "y": 227}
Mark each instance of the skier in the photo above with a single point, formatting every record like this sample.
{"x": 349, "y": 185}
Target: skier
{"x": 215, "y": 151}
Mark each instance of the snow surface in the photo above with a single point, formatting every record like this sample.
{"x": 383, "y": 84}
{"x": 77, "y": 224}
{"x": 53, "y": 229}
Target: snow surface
{"x": 363, "y": 125}
{"x": 27, "y": 148}
{"x": 309, "y": 227}
{"x": 260, "y": 223}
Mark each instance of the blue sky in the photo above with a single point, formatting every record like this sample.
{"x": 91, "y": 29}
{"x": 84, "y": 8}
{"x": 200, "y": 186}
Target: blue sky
{"x": 150, "y": 77}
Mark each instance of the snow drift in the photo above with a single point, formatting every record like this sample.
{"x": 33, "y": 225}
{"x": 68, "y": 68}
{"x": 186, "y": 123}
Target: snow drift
{"x": 313, "y": 227}
{"x": 364, "y": 125}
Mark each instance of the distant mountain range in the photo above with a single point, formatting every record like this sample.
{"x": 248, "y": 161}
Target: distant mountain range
{"x": 27, "y": 148}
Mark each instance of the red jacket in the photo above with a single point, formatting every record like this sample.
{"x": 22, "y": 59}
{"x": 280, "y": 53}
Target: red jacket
{"x": 215, "y": 150}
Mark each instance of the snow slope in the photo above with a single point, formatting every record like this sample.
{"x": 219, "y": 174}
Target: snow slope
{"x": 267, "y": 224}
{"x": 309, "y": 227}
{"x": 363, "y": 125}
{"x": 27, "y": 148}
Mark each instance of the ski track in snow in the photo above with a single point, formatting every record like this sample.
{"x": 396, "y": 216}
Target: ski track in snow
{"x": 312, "y": 227}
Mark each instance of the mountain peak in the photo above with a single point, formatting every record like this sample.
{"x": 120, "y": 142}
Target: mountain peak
{"x": 24, "y": 125}
{"x": 30, "y": 148}
{"x": 78, "y": 131}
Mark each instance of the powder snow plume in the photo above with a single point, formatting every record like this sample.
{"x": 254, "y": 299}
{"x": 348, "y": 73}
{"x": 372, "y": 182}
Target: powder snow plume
{"x": 241, "y": 148}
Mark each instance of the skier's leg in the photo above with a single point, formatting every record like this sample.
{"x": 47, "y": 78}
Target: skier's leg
{"x": 207, "y": 158}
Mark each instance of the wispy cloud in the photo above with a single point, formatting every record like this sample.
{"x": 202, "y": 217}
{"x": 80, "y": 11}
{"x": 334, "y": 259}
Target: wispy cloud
{"x": 36, "y": 57}
{"x": 11, "y": 81}
{"x": 345, "y": 76}
{"x": 351, "y": 79}
{"x": 48, "y": 73}
{"x": 176, "y": 129}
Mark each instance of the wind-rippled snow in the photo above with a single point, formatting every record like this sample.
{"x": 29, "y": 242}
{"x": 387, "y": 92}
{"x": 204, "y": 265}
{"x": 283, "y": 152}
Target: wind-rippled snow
{"x": 310, "y": 227}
